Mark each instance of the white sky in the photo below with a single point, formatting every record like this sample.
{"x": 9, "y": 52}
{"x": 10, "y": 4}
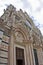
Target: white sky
{"x": 33, "y": 7}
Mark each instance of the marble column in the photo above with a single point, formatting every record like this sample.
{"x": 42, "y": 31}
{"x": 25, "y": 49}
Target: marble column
{"x": 27, "y": 55}
{"x": 32, "y": 52}
{"x": 32, "y": 60}
{"x": 11, "y": 48}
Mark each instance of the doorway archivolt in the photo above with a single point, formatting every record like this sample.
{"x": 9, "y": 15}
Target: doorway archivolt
{"x": 21, "y": 35}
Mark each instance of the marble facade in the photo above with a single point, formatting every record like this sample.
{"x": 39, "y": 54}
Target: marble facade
{"x": 17, "y": 30}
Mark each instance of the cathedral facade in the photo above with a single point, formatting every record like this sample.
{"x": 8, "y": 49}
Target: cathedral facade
{"x": 21, "y": 42}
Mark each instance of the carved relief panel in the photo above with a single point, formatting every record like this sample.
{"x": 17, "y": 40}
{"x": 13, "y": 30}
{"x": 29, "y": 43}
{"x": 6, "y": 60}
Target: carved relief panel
{"x": 19, "y": 36}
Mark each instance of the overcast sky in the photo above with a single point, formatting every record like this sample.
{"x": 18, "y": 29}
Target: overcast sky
{"x": 33, "y": 7}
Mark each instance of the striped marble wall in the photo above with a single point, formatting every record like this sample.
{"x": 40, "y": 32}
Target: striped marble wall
{"x": 4, "y": 43}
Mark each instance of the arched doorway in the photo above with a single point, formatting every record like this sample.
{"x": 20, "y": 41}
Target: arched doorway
{"x": 19, "y": 48}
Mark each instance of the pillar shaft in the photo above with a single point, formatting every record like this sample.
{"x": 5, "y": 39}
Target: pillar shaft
{"x": 11, "y": 49}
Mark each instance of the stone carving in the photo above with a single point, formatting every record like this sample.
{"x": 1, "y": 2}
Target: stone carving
{"x": 19, "y": 37}
{"x": 31, "y": 35}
